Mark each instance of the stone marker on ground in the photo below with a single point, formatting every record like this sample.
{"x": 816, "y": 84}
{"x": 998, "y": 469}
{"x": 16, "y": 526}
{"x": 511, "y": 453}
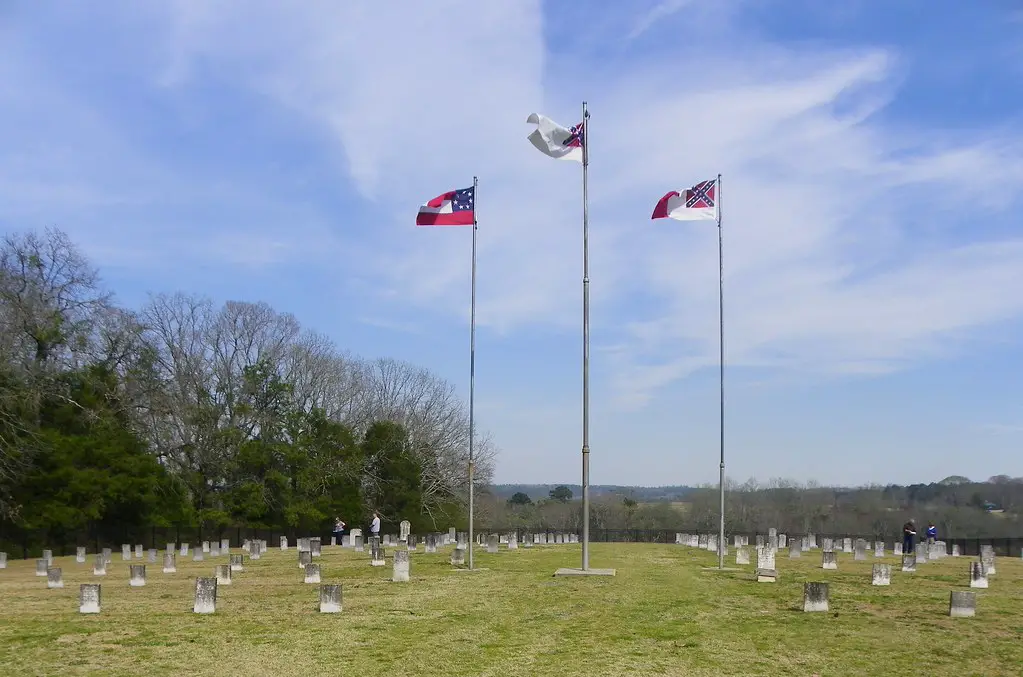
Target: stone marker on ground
{"x": 41, "y": 566}
{"x": 54, "y": 578}
{"x": 431, "y": 542}
{"x": 137, "y": 575}
{"x": 312, "y": 573}
{"x": 99, "y": 568}
{"x": 48, "y": 556}
{"x": 80, "y": 555}
{"x": 304, "y": 557}
{"x": 988, "y": 560}
{"x": 237, "y": 562}
{"x": 152, "y": 555}
{"x": 815, "y": 596}
{"x": 897, "y": 550}
{"x": 492, "y": 544}
{"x": 766, "y": 573}
{"x": 962, "y": 604}
{"x": 284, "y": 542}
{"x": 330, "y": 598}
{"x": 795, "y": 549}
{"x": 3, "y": 560}
{"x": 955, "y": 550}
{"x": 400, "y": 573}
{"x": 108, "y": 556}
{"x": 138, "y": 551}
{"x": 197, "y": 555}
{"x": 225, "y": 545}
{"x": 169, "y": 563}
{"x": 860, "y": 550}
{"x": 359, "y": 547}
{"x": 921, "y": 554}
{"x": 513, "y": 541}
{"x": 827, "y": 545}
{"x": 458, "y": 555}
{"x": 878, "y": 548}
{"x": 125, "y": 552}
{"x": 527, "y": 540}
{"x": 314, "y": 547}
{"x": 223, "y": 574}
{"x": 214, "y": 549}
{"x": 377, "y": 556}
{"x": 978, "y": 575}
{"x": 206, "y": 547}
{"x": 742, "y": 556}
{"x": 828, "y": 559}
{"x": 184, "y": 549}
{"x": 881, "y": 574}
{"x": 170, "y": 548}
{"x": 88, "y": 598}
{"x": 909, "y": 563}
{"x": 205, "y": 595}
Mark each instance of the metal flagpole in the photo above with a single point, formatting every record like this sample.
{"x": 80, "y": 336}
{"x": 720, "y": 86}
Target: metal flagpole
{"x": 721, "y": 343}
{"x": 472, "y": 377}
{"x": 586, "y": 344}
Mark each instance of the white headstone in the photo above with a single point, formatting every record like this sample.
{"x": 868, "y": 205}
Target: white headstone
{"x": 401, "y": 567}
{"x": 815, "y": 596}
{"x": 54, "y": 578}
{"x": 881, "y": 574}
{"x": 978, "y": 576}
{"x": 962, "y": 604}
{"x": 169, "y": 563}
{"x": 137, "y": 575}
{"x": 223, "y": 574}
{"x": 100, "y": 567}
{"x": 80, "y": 555}
{"x": 205, "y": 595}
{"x": 330, "y": 598}
{"x": 237, "y": 562}
{"x": 89, "y": 598}
{"x": 41, "y": 566}
{"x": 312, "y": 573}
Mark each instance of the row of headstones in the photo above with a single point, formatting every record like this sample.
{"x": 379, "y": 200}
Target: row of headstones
{"x": 90, "y": 596}
{"x": 796, "y": 547}
{"x": 816, "y": 597}
{"x": 206, "y": 588}
{"x": 45, "y": 564}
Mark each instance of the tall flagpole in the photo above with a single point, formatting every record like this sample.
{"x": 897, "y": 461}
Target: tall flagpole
{"x": 721, "y": 356}
{"x": 586, "y": 344}
{"x": 472, "y": 376}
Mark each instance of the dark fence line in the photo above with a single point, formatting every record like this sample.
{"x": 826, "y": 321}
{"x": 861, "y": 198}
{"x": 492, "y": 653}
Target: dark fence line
{"x": 30, "y": 544}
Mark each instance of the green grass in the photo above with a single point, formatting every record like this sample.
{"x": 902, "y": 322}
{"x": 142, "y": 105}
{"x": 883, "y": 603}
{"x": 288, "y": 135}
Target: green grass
{"x": 664, "y": 614}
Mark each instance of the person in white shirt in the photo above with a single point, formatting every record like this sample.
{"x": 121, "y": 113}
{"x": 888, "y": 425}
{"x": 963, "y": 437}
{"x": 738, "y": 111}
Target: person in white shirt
{"x": 339, "y": 529}
{"x": 374, "y": 527}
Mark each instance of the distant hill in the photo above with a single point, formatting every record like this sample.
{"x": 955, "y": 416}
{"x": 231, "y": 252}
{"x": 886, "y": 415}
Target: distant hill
{"x": 642, "y": 494}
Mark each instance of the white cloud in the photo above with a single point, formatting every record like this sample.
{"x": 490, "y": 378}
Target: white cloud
{"x": 659, "y": 12}
{"x": 849, "y": 245}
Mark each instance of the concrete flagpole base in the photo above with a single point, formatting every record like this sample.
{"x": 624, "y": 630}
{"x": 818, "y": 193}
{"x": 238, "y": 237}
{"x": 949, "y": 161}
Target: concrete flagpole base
{"x": 565, "y": 571}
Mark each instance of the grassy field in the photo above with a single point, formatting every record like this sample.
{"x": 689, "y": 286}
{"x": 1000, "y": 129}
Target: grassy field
{"x": 664, "y": 614}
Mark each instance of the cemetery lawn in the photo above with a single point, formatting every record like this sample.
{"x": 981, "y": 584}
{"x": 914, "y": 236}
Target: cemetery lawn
{"x": 663, "y": 614}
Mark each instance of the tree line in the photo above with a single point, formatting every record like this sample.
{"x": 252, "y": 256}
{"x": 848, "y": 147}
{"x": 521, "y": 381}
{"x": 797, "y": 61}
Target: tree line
{"x": 186, "y": 412}
{"x": 959, "y": 508}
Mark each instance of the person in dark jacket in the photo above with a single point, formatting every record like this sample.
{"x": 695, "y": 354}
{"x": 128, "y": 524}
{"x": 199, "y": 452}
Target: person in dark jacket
{"x": 908, "y": 536}
{"x": 932, "y": 533}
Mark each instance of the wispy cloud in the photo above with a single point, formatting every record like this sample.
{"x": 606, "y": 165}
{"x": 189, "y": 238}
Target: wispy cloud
{"x": 849, "y": 247}
{"x": 662, "y": 10}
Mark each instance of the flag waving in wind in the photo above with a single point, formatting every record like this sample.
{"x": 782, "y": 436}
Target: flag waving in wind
{"x": 698, "y": 203}
{"x": 454, "y": 208}
{"x": 555, "y": 141}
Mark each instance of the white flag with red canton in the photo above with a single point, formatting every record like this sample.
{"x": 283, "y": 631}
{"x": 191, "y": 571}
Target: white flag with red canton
{"x": 555, "y": 141}
{"x": 699, "y": 203}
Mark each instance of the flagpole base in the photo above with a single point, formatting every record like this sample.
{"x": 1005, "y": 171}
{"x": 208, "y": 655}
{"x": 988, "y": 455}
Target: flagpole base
{"x": 566, "y": 571}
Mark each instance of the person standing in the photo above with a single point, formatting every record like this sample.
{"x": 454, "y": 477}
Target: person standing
{"x": 932, "y": 533}
{"x": 374, "y": 526}
{"x": 908, "y": 536}
{"x": 339, "y": 530}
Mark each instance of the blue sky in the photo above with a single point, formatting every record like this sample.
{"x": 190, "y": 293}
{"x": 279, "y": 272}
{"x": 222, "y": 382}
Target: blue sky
{"x": 873, "y": 174}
